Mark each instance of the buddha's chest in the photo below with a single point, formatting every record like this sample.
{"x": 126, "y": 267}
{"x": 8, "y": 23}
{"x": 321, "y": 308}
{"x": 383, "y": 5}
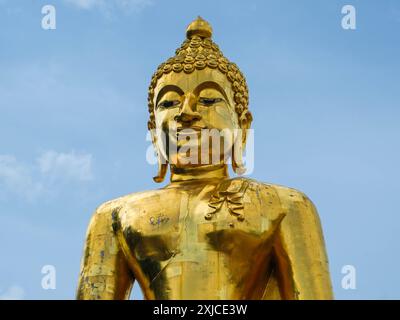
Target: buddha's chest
{"x": 189, "y": 225}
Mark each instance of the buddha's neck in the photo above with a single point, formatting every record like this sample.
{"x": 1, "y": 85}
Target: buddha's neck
{"x": 206, "y": 172}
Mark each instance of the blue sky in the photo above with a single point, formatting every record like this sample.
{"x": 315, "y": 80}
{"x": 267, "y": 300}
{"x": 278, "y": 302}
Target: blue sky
{"x": 73, "y": 122}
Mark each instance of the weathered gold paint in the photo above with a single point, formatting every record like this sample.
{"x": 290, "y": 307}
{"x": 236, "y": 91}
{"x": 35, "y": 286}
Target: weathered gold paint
{"x": 205, "y": 235}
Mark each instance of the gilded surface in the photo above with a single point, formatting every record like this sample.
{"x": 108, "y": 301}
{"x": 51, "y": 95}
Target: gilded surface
{"x": 204, "y": 235}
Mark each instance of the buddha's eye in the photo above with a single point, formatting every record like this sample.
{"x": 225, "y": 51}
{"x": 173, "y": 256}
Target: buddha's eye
{"x": 168, "y": 104}
{"x": 209, "y": 101}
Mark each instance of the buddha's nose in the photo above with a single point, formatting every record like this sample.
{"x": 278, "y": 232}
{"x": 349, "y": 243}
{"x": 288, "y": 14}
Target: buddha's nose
{"x": 188, "y": 112}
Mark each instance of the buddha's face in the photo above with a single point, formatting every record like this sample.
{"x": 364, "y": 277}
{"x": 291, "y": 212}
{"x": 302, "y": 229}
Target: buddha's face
{"x": 189, "y": 106}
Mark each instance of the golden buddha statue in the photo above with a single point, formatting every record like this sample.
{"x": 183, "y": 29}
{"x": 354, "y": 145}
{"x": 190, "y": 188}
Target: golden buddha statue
{"x": 204, "y": 235}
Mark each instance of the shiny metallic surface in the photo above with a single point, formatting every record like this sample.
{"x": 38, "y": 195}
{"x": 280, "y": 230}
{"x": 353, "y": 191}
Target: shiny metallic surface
{"x": 204, "y": 235}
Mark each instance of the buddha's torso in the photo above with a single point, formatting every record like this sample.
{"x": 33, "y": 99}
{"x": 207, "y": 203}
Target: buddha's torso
{"x": 177, "y": 251}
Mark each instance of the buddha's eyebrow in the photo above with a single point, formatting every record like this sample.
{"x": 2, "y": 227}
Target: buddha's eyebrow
{"x": 167, "y": 88}
{"x": 212, "y": 85}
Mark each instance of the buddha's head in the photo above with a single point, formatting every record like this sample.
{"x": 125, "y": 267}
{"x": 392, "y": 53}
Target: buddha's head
{"x": 195, "y": 91}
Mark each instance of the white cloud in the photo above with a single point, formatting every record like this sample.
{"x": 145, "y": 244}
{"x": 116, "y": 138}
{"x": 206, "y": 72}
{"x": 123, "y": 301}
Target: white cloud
{"x": 49, "y": 169}
{"x": 17, "y": 178}
{"x": 108, "y": 6}
{"x": 66, "y": 166}
{"x": 84, "y": 4}
{"x": 13, "y": 293}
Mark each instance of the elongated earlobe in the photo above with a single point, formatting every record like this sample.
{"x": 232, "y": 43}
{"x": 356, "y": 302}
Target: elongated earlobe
{"x": 237, "y": 159}
{"x": 161, "y": 172}
{"x": 162, "y": 167}
{"x": 240, "y": 141}
{"x": 162, "y": 163}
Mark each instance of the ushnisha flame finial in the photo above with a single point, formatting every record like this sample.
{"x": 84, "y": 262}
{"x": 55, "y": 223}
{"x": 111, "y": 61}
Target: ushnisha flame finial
{"x": 199, "y": 27}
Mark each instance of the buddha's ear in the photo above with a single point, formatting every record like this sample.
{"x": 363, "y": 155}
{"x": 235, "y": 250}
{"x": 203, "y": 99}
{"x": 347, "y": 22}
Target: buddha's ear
{"x": 161, "y": 172}
{"x": 245, "y": 120}
{"x": 237, "y": 159}
{"x": 237, "y": 149}
{"x": 161, "y": 161}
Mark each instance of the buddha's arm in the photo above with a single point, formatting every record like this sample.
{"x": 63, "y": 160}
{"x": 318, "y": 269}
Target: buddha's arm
{"x": 303, "y": 271}
{"x": 104, "y": 272}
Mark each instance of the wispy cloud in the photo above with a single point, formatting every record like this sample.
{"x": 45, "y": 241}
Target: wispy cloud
{"x": 17, "y": 178}
{"x": 109, "y": 6}
{"x": 51, "y": 168}
{"x": 84, "y": 4}
{"x": 13, "y": 293}
{"x": 66, "y": 166}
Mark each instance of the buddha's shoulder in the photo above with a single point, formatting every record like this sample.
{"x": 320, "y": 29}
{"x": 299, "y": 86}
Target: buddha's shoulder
{"x": 278, "y": 195}
{"x": 139, "y": 199}
{"x": 288, "y": 195}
